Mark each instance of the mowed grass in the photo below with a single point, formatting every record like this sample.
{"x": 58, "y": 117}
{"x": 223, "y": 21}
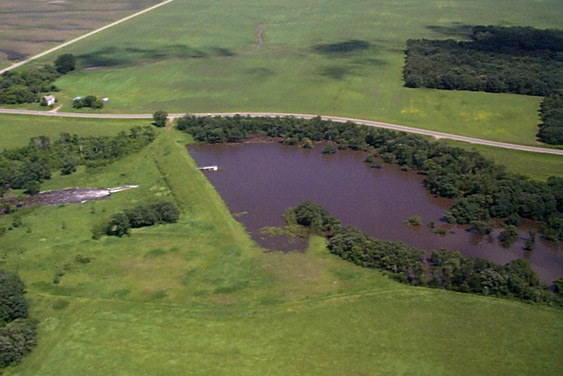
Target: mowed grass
{"x": 16, "y": 130}
{"x": 28, "y": 27}
{"x": 199, "y": 297}
{"x": 319, "y": 56}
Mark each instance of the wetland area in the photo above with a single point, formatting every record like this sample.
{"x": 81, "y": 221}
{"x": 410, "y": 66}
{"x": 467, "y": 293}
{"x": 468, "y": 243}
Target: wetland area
{"x": 260, "y": 180}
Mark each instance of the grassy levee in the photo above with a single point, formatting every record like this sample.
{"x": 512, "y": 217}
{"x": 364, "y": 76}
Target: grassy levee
{"x": 321, "y": 57}
{"x": 16, "y": 130}
{"x": 199, "y": 297}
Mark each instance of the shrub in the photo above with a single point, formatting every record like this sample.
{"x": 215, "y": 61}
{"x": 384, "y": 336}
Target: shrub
{"x": 508, "y": 236}
{"x": 89, "y": 101}
{"x": 17, "y": 339}
{"x": 414, "y": 221}
{"x": 12, "y": 302}
{"x": 159, "y": 118}
{"x": 142, "y": 216}
{"x": 118, "y": 225}
{"x": 329, "y": 149}
{"x": 314, "y": 217}
{"x": 65, "y": 63}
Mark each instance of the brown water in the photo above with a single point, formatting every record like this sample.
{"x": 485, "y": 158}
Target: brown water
{"x": 259, "y": 181}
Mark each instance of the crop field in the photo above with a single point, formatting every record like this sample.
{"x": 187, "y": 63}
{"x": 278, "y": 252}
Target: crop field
{"x": 316, "y": 56}
{"x": 199, "y": 297}
{"x": 28, "y": 27}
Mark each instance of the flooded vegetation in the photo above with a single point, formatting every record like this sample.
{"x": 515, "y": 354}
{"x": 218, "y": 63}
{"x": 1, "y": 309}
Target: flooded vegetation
{"x": 259, "y": 181}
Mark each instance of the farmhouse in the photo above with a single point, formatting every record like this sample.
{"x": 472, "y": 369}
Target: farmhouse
{"x": 49, "y": 100}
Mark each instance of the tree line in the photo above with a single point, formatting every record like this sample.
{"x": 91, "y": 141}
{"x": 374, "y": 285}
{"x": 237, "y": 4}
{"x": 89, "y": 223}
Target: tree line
{"x": 483, "y": 189}
{"x": 443, "y": 269}
{"x": 520, "y": 60}
{"x": 28, "y": 166}
{"x": 18, "y": 334}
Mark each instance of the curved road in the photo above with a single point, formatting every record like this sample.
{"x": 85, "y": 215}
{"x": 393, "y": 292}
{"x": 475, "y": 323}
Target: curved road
{"x": 338, "y": 119}
{"x": 370, "y": 123}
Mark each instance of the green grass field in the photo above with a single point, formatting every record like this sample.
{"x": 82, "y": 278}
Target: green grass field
{"x": 319, "y": 56}
{"x": 16, "y": 130}
{"x": 199, "y": 297}
{"x": 535, "y": 165}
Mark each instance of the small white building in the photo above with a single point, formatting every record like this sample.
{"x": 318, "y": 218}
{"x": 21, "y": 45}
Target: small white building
{"x": 76, "y": 99}
{"x": 105, "y": 100}
{"x": 49, "y": 100}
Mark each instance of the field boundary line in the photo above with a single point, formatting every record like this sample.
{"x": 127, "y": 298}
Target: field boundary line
{"x": 65, "y": 44}
{"x": 338, "y": 119}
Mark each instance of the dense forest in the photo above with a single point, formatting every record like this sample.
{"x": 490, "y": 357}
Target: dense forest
{"x": 27, "y": 85}
{"x": 520, "y": 60}
{"x": 483, "y": 189}
{"x": 551, "y": 113}
{"x": 443, "y": 269}
{"x": 27, "y": 167}
{"x": 18, "y": 334}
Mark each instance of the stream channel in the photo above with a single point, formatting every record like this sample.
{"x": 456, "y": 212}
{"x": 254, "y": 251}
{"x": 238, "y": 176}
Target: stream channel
{"x": 259, "y": 180}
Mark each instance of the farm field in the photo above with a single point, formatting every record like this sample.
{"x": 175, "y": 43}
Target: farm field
{"x": 318, "y": 56}
{"x": 199, "y": 297}
{"x": 28, "y": 27}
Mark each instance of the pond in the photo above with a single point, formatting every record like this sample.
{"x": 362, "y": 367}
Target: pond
{"x": 259, "y": 180}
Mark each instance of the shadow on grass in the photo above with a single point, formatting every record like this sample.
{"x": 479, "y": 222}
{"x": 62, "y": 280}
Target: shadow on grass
{"x": 335, "y": 72}
{"x": 111, "y": 57}
{"x": 456, "y": 29}
{"x": 356, "y": 67}
{"x": 260, "y": 72}
{"x": 344, "y": 48}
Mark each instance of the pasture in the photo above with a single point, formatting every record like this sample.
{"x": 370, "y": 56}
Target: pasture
{"x": 28, "y": 27}
{"x": 199, "y": 297}
{"x": 317, "y": 56}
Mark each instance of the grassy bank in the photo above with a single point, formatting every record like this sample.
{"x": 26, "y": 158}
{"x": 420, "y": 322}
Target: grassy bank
{"x": 320, "y": 57}
{"x": 199, "y": 297}
{"x": 535, "y": 165}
